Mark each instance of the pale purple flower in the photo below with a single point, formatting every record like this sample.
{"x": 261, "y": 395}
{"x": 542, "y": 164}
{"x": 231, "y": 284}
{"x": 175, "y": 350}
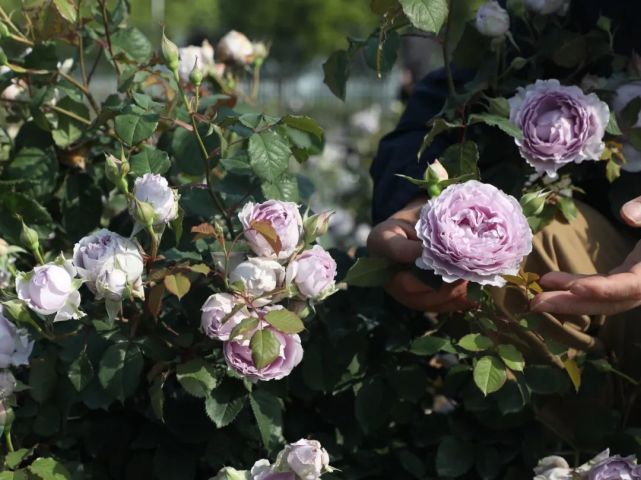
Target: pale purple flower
{"x": 306, "y": 458}
{"x": 283, "y": 217}
{"x": 15, "y": 346}
{"x": 154, "y": 189}
{"x": 313, "y": 272}
{"x": 239, "y": 357}
{"x": 473, "y": 231}
{"x": 492, "y": 20}
{"x": 258, "y": 278}
{"x": 560, "y": 124}
{"x": 217, "y": 307}
{"x": 615, "y": 468}
{"x": 51, "y": 289}
{"x": 262, "y": 470}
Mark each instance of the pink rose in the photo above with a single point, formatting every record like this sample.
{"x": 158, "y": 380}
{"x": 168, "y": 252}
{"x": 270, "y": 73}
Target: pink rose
{"x": 283, "y": 217}
{"x": 313, "y": 272}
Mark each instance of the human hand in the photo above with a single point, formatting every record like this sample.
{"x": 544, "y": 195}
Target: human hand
{"x": 396, "y": 239}
{"x": 616, "y": 292}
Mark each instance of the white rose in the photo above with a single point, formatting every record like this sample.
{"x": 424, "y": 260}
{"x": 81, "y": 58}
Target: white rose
{"x": 154, "y": 190}
{"x": 93, "y": 252}
{"x": 15, "y": 347}
{"x": 113, "y": 284}
{"x": 7, "y": 384}
{"x": 624, "y": 95}
{"x": 228, "y": 473}
{"x": 203, "y": 56}
{"x": 553, "y": 468}
{"x": 50, "y": 289}
{"x": 258, "y": 276}
{"x": 235, "y": 47}
{"x": 547, "y": 7}
{"x": 492, "y": 20}
{"x": 306, "y": 458}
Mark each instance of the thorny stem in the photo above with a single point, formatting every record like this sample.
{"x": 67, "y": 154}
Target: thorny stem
{"x": 83, "y": 88}
{"x": 105, "y": 21}
{"x": 446, "y": 55}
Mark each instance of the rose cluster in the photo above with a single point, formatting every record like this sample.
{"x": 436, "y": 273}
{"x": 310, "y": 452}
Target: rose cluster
{"x": 15, "y": 349}
{"x": 602, "y": 467}
{"x": 261, "y": 340}
{"x": 473, "y": 231}
{"x": 302, "y": 460}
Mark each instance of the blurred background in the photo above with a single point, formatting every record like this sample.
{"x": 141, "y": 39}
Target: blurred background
{"x": 301, "y": 34}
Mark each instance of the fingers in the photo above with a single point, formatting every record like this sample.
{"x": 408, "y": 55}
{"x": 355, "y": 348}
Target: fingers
{"x": 568, "y": 303}
{"x": 394, "y": 240}
{"x": 618, "y": 287}
{"x": 408, "y": 290}
{"x": 559, "y": 280}
{"x": 631, "y": 212}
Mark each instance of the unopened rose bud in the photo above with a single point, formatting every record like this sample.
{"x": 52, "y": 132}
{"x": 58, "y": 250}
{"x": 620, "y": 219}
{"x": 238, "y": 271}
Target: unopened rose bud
{"x": 435, "y": 172}
{"x": 492, "y": 20}
{"x": 533, "y": 203}
{"x": 117, "y": 174}
{"x": 29, "y": 238}
{"x": 170, "y": 54}
{"x": 316, "y": 226}
{"x": 196, "y": 76}
{"x": 144, "y": 213}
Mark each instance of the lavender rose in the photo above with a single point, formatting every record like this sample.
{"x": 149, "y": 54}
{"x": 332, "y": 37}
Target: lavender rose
{"x": 215, "y": 309}
{"x": 624, "y": 95}
{"x": 154, "y": 190}
{"x": 615, "y": 468}
{"x": 283, "y": 217}
{"x": 473, "y": 231}
{"x": 258, "y": 277}
{"x": 560, "y": 125}
{"x": 51, "y": 289}
{"x": 262, "y": 470}
{"x": 239, "y": 357}
{"x": 15, "y": 347}
{"x": 492, "y": 20}
{"x": 99, "y": 255}
{"x": 313, "y": 272}
{"x": 306, "y": 458}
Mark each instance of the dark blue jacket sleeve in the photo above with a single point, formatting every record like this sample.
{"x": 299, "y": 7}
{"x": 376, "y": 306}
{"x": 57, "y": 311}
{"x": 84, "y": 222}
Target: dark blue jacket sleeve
{"x": 398, "y": 151}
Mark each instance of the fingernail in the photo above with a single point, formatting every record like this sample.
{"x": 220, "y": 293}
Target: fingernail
{"x": 538, "y": 306}
{"x": 632, "y": 211}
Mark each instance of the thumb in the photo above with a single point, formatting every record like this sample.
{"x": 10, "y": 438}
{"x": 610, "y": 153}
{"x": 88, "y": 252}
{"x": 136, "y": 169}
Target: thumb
{"x": 631, "y": 212}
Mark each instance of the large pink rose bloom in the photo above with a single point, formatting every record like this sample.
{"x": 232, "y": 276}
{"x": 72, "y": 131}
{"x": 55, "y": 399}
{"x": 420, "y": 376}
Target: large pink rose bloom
{"x": 283, "y": 217}
{"x": 473, "y": 231}
{"x": 239, "y": 357}
{"x": 560, "y": 125}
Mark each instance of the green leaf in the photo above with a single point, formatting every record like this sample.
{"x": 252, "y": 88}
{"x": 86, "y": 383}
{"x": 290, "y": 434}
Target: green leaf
{"x": 186, "y": 151}
{"x": 69, "y": 129}
{"x": 429, "y": 345}
{"x": 285, "y": 321}
{"x": 304, "y": 123}
{"x": 502, "y": 123}
{"x": 66, "y": 9}
{"x": 381, "y": 56}
{"x": 157, "y": 397}
{"x": 568, "y": 208}
{"x": 454, "y": 457}
{"x": 120, "y": 369}
{"x": 426, "y": 15}
{"x": 462, "y": 12}
{"x": 372, "y": 405}
{"x": 42, "y": 379}
{"x": 489, "y": 374}
{"x": 268, "y": 155}
{"x": 439, "y": 125}
{"x": 197, "y": 377}
{"x": 285, "y": 188}
{"x": 80, "y": 372}
{"x": 223, "y": 406}
{"x": 14, "y": 459}
{"x": 613, "y": 126}
{"x": 475, "y": 342}
{"x": 39, "y": 166}
{"x": 246, "y": 325}
{"x": 265, "y": 348}
{"x": 268, "y": 412}
{"x": 511, "y": 357}
{"x": 149, "y": 160}
{"x": 33, "y": 213}
{"x": 336, "y": 70}
{"x": 132, "y": 43}
{"x": 460, "y": 160}
{"x": 370, "y": 272}
{"x": 177, "y": 284}
{"x": 135, "y": 125}
{"x": 49, "y": 469}
{"x": 82, "y": 199}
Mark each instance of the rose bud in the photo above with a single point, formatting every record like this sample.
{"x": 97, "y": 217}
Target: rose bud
{"x": 154, "y": 189}
{"x": 170, "y": 54}
{"x": 306, "y": 458}
{"x": 313, "y": 272}
{"x": 316, "y": 226}
{"x": 15, "y": 347}
{"x": 533, "y": 203}
{"x": 473, "y": 231}
{"x": 547, "y": 7}
{"x": 435, "y": 172}
{"x": 104, "y": 248}
{"x": 192, "y": 55}
{"x": 258, "y": 276}
{"x": 51, "y": 289}
{"x": 283, "y": 217}
{"x": 492, "y": 20}
{"x": 262, "y": 470}
{"x": 236, "y": 48}
{"x": 239, "y": 357}
{"x": 217, "y": 308}
{"x": 560, "y": 125}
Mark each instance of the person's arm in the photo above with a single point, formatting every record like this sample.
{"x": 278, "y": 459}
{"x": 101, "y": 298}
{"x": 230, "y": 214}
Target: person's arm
{"x": 616, "y": 292}
{"x": 397, "y": 203}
